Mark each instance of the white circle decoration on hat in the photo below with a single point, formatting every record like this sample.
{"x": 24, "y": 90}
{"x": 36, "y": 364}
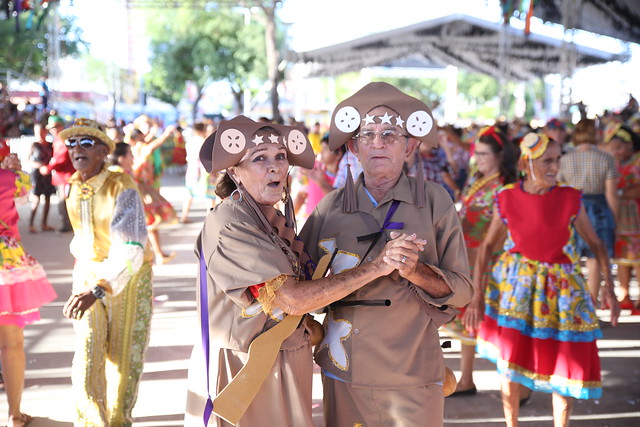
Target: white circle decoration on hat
{"x": 232, "y": 141}
{"x": 347, "y": 119}
{"x": 296, "y": 142}
{"x": 419, "y": 123}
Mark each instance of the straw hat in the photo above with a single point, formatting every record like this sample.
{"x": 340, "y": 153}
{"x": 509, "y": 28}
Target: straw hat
{"x": 533, "y": 145}
{"x": 88, "y": 127}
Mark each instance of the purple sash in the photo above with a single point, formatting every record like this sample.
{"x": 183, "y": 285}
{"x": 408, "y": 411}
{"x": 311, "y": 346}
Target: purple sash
{"x": 204, "y": 327}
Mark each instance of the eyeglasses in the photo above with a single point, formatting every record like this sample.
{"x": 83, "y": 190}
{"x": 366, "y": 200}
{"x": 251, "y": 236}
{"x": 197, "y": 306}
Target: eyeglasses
{"x": 388, "y": 136}
{"x": 481, "y": 153}
{"x": 83, "y": 142}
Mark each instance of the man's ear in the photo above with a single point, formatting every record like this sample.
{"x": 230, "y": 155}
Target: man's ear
{"x": 352, "y": 146}
{"x": 411, "y": 146}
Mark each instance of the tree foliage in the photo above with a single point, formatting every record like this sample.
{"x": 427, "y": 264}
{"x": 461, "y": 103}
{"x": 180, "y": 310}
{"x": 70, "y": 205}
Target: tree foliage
{"x": 25, "y": 51}
{"x": 428, "y": 90}
{"x": 477, "y": 87}
{"x": 201, "y": 47}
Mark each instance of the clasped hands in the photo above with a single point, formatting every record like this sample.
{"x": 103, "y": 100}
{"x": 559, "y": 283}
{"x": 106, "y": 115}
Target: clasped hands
{"x": 401, "y": 252}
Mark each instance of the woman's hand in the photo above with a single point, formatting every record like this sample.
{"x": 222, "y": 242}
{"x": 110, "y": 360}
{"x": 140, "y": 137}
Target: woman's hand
{"x": 76, "y": 305}
{"x": 11, "y": 162}
{"x": 609, "y": 298}
{"x": 316, "y": 174}
{"x": 474, "y": 313}
{"x": 402, "y": 252}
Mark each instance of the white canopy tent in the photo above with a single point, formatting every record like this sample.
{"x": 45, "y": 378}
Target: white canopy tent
{"x": 460, "y": 40}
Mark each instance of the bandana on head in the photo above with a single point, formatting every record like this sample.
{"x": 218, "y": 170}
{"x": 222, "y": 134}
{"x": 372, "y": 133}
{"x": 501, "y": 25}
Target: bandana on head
{"x": 615, "y": 130}
{"x": 229, "y": 143}
{"x": 88, "y": 127}
{"x": 491, "y": 132}
{"x": 413, "y": 115}
{"x": 533, "y": 145}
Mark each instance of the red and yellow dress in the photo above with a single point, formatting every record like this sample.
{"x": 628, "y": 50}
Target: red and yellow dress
{"x": 540, "y": 325}
{"x": 475, "y": 216}
{"x": 627, "y": 247}
{"x": 24, "y": 287}
{"x": 157, "y": 209}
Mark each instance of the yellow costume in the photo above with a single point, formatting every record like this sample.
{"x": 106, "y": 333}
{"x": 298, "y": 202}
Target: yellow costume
{"x": 111, "y": 338}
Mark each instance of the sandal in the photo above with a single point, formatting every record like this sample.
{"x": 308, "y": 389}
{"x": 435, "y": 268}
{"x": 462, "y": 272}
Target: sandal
{"x": 626, "y": 304}
{"x": 32, "y": 229}
{"x": 22, "y": 421}
{"x": 47, "y": 228}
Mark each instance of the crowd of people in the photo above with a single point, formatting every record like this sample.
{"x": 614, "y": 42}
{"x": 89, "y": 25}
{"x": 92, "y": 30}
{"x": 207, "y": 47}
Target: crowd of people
{"x": 376, "y": 220}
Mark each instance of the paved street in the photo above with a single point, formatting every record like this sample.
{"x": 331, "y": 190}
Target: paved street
{"x": 162, "y": 393}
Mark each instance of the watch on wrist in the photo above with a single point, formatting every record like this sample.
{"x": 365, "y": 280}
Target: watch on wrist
{"x": 98, "y": 292}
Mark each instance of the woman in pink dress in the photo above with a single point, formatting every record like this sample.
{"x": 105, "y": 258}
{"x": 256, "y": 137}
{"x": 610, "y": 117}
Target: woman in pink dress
{"x": 24, "y": 288}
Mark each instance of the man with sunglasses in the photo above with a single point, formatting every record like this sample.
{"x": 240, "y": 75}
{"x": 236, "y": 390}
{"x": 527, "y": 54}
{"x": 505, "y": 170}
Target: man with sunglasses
{"x": 380, "y": 357}
{"x": 111, "y": 300}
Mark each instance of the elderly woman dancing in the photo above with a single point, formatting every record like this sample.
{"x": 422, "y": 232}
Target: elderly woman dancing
{"x": 252, "y": 268}
{"x": 540, "y": 325}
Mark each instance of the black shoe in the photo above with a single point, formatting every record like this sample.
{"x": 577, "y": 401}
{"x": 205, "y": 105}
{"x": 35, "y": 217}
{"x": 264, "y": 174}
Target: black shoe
{"x": 525, "y": 400}
{"x": 468, "y": 392}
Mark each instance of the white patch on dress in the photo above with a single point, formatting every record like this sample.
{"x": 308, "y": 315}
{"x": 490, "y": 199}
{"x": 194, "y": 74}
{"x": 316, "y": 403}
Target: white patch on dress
{"x": 343, "y": 260}
{"x": 338, "y": 330}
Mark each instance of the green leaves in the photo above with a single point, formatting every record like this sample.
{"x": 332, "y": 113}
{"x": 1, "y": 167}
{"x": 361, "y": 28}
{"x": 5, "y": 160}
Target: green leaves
{"x": 25, "y": 51}
{"x": 202, "y": 47}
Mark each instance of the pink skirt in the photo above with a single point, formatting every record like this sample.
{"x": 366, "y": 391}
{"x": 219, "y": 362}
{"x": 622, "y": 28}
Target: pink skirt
{"x": 24, "y": 287}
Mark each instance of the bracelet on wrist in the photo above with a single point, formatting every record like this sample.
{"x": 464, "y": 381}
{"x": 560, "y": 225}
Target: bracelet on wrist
{"x": 98, "y": 292}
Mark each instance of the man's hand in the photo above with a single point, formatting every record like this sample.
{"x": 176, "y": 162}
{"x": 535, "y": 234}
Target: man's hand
{"x": 76, "y": 305}
{"x": 44, "y": 170}
{"x": 402, "y": 252}
{"x": 11, "y": 162}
